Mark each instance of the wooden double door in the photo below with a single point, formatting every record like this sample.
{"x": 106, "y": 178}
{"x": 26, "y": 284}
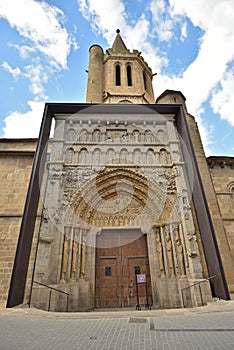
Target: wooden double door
{"x": 121, "y": 254}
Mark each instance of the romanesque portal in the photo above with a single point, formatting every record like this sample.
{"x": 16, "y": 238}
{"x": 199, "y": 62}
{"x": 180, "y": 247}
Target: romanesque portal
{"x": 116, "y": 204}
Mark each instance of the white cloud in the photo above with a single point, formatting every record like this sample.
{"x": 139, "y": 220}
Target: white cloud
{"x": 25, "y": 51}
{"x": 215, "y": 17}
{"x": 38, "y": 77}
{"x": 162, "y": 22}
{"x": 206, "y": 14}
{"x": 222, "y": 100}
{"x": 48, "y": 43}
{"x": 206, "y": 132}
{"x": 23, "y": 125}
{"x": 200, "y": 80}
{"x": 15, "y": 72}
{"x": 105, "y": 16}
{"x": 41, "y": 24}
{"x": 183, "y": 31}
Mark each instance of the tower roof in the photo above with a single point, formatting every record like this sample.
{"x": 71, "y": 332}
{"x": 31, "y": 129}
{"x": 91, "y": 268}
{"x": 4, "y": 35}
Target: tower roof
{"x": 118, "y": 45}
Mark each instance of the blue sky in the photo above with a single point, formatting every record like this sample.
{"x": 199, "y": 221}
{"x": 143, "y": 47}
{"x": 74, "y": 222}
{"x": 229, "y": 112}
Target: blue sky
{"x": 190, "y": 44}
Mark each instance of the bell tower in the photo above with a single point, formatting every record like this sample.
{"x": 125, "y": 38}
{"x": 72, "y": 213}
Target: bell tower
{"x": 118, "y": 76}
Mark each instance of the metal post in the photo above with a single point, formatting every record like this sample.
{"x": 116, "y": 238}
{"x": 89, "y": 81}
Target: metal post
{"x": 138, "y": 305}
{"x": 182, "y": 297}
{"x": 67, "y": 301}
{"x": 34, "y": 264}
{"x": 146, "y": 291}
{"x": 201, "y": 294}
{"x": 49, "y": 299}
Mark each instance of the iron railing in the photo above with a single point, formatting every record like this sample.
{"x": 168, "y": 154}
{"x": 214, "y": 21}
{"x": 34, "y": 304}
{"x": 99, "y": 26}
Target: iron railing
{"x": 199, "y": 285}
{"x": 56, "y": 290}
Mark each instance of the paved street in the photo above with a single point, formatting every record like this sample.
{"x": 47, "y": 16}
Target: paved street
{"x": 209, "y": 327}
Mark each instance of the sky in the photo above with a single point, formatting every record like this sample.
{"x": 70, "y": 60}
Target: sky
{"x": 189, "y": 44}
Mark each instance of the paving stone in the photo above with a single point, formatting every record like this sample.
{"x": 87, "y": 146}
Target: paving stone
{"x": 25, "y": 329}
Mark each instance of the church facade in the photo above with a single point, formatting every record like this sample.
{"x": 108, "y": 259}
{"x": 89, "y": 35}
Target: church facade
{"x": 123, "y": 208}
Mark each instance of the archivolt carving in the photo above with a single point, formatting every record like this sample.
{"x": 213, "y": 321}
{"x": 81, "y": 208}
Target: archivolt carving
{"x": 93, "y": 194}
{"x": 230, "y": 187}
{"x": 116, "y": 197}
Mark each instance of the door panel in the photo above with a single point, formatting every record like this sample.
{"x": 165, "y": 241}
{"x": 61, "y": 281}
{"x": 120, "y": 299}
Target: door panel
{"x": 120, "y": 254}
{"x": 108, "y": 281}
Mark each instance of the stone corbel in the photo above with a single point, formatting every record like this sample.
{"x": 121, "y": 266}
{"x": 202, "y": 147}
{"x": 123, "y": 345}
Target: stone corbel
{"x": 47, "y": 240}
{"x": 192, "y": 254}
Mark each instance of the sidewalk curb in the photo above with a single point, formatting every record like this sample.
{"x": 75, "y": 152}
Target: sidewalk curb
{"x": 25, "y": 311}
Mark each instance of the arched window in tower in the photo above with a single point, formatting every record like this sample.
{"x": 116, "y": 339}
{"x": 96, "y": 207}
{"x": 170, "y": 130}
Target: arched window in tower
{"x": 129, "y": 75}
{"x": 117, "y": 75}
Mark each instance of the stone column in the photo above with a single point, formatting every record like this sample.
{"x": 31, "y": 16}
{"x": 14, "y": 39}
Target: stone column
{"x": 95, "y": 75}
{"x": 83, "y": 257}
{"x": 65, "y": 257}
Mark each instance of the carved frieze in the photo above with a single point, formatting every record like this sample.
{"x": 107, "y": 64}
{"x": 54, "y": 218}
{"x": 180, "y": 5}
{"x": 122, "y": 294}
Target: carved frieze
{"x": 55, "y": 172}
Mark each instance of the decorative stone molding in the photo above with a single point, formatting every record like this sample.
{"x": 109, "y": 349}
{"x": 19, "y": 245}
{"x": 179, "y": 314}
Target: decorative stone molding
{"x": 47, "y": 240}
{"x": 221, "y": 162}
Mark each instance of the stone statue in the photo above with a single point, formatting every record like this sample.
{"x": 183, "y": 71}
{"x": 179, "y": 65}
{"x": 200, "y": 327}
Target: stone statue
{"x": 83, "y": 259}
{"x": 65, "y": 257}
{"x": 75, "y": 249}
{"x": 69, "y": 155}
{"x": 170, "y": 254}
{"x": 180, "y": 254}
{"x": 160, "y": 255}
{"x": 163, "y": 157}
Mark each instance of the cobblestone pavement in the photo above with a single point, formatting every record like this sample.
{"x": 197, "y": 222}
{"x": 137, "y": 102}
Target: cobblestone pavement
{"x": 205, "y": 328}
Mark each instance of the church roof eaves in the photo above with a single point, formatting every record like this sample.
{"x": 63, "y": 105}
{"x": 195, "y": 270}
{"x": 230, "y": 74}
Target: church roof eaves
{"x": 167, "y": 92}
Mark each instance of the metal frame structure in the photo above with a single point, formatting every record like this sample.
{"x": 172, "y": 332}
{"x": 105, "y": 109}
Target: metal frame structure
{"x": 20, "y": 268}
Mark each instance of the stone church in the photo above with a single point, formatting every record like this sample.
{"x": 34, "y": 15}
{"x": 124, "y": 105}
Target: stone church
{"x": 115, "y": 205}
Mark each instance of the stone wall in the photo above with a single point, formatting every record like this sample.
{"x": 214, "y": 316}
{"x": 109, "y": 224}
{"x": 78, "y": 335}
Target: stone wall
{"x": 215, "y": 200}
{"x": 213, "y": 203}
{"x": 16, "y": 157}
{"x": 222, "y": 174}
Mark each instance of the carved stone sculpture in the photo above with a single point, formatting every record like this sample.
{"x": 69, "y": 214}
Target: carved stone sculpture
{"x": 75, "y": 249}
{"x": 65, "y": 257}
{"x": 160, "y": 255}
{"x": 180, "y": 253}
{"x": 83, "y": 259}
{"x": 170, "y": 254}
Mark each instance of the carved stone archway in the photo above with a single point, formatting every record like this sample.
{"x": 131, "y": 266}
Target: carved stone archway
{"x": 117, "y": 197}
